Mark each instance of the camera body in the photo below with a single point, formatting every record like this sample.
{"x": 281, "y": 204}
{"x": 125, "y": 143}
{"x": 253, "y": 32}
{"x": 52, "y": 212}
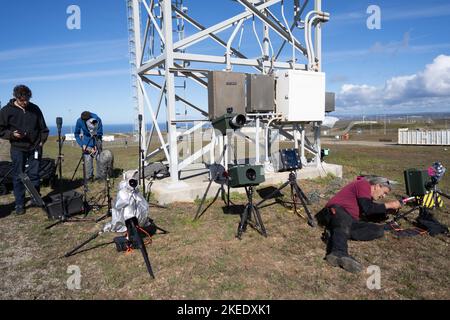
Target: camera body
{"x": 286, "y": 160}
{"x": 245, "y": 175}
{"x": 416, "y": 182}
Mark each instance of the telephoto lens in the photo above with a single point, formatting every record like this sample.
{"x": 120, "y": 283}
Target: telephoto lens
{"x": 133, "y": 183}
{"x": 238, "y": 121}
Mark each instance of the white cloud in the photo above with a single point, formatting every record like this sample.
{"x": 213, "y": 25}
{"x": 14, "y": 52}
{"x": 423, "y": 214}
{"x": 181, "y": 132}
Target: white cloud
{"x": 428, "y": 89}
{"x": 395, "y": 14}
{"x": 68, "y": 76}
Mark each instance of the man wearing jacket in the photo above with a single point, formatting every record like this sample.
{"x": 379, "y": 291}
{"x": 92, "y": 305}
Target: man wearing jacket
{"x": 22, "y": 123}
{"x": 342, "y": 218}
{"x": 89, "y": 133}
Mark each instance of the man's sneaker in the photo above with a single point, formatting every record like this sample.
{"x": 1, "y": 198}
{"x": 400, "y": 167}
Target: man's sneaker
{"x": 346, "y": 262}
{"x": 350, "y": 264}
{"x": 19, "y": 211}
{"x": 333, "y": 259}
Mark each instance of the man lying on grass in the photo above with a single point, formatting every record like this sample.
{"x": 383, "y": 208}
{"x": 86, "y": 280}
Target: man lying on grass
{"x": 342, "y": 218}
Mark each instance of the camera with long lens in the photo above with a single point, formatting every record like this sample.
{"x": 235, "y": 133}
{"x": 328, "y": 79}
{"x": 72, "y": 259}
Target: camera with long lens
{"x": 245, "y": 175}
{"x": 229, "y": 121}
{"x": 419, "y": 182}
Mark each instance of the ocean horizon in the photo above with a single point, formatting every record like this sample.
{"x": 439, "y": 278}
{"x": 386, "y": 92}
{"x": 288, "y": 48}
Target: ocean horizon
{"x": 114, "y": 128}
{"x": 107, "y": 129}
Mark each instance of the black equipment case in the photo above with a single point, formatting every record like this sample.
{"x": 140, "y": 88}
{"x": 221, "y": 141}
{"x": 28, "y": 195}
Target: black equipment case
{"x": 72, "y": 201}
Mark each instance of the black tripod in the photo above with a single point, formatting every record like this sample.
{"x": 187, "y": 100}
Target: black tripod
{"x": 3, "y": 188}
{"x": 87, "y": 206}
{"x": 82, "y": 159}
{"x": 220, "y": 176}
{"x": 296, "y": 192}
{"x": 108, "y": 197}
{"x": 222, "y": 180}
{"x": 250, "y": 216}
{"x": 65, "y": 217}
{"x": 141, "y": 156}
{"x": 419, "y": 205}
{"x": 134, "y": 239}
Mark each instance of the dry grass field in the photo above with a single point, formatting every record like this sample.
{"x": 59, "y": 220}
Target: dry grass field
{"x": 204, "y": 260}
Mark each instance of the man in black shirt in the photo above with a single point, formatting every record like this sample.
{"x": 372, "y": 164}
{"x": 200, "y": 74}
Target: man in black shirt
{"x": 22, "y": 123}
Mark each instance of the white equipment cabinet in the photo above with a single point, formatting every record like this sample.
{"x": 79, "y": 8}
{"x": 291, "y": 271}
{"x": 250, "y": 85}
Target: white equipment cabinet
{"x": 300, "y": 95}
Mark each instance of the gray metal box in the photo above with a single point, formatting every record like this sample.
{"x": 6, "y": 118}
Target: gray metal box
{"x": 330, "y": 102}
{"x": 225, "y": 90}
{"x": 260, "y": 93}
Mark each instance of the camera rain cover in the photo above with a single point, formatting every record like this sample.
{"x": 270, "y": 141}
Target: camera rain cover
{"x": 129, "y": 203}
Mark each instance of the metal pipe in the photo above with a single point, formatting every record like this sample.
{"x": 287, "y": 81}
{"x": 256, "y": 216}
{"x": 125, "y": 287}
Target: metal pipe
{"x": 290, "y": 33}
{"x": 278, "y": 29}
{"x": 267, "y": 136}
{"x": 256, "y": 36}
{"x": 154, "y": 22}
{"x": 228, "y": 52}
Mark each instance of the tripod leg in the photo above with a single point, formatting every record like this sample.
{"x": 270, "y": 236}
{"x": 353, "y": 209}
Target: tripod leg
{"x": 308, "y": 202}
{"x": 106, "y": 215}
{"x": 71, "y": 252}
{"x": 258, "y": 221}
{"x": 135, "y": 234}
{"x": 403, "y": 215}
{"x": 76, "y": 169}
{"x": 228, "y": 195}
{"x": 197, "y": 215}
{"x": 444, "y": 194}
{"x": 300, "y": 194}
{"x": 54, "y": 224}
{"x": 243, "y": 223}
{"x": 272, "y": 194}
{"x": 161, "y": 229}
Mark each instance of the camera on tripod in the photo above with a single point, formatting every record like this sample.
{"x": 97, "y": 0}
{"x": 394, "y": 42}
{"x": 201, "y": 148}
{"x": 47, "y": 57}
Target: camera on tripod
{"x": 420, "y": 182}
{"x": 246, "y": 175}
{"x": 92, "y": 126}
{"x": 286, "y": 160}
{"x": 229, "y": 121}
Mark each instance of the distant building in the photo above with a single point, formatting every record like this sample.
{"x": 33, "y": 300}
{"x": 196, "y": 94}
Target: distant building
{"x": 424, "y": 137}
{"x": 71, "y": 137}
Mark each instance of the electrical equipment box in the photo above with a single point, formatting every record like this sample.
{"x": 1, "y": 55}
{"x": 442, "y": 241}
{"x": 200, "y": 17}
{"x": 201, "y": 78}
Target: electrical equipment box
{"x": 330, "y": 102}
{"x": 286, "y": 160}
{"x": 245, "y": 175}
{"x": 416, "y": 181}
{"x": 260, "y": 93}
{"x": 225, "y": 90}
{"x": 300, "y": 95}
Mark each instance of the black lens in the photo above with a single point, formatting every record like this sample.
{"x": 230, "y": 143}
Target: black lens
{"x": 133, "y": 183}
{"x": 251, "y": 174}
{"x": 238, "y": 121}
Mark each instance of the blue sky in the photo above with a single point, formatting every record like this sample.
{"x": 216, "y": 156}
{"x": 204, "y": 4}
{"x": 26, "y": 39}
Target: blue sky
{"x": 403, "y": 67}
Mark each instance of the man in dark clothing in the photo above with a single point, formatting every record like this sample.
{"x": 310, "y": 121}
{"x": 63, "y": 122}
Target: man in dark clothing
{"x": 342, "y": 218}
{"x": 89, "y": 133}
{"x": 22, "y": 123}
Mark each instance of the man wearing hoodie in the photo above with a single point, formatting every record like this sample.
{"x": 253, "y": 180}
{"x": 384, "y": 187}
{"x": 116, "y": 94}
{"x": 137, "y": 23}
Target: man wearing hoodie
{"x": 22, "y": 123}
{"x": 89, "y": 133}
